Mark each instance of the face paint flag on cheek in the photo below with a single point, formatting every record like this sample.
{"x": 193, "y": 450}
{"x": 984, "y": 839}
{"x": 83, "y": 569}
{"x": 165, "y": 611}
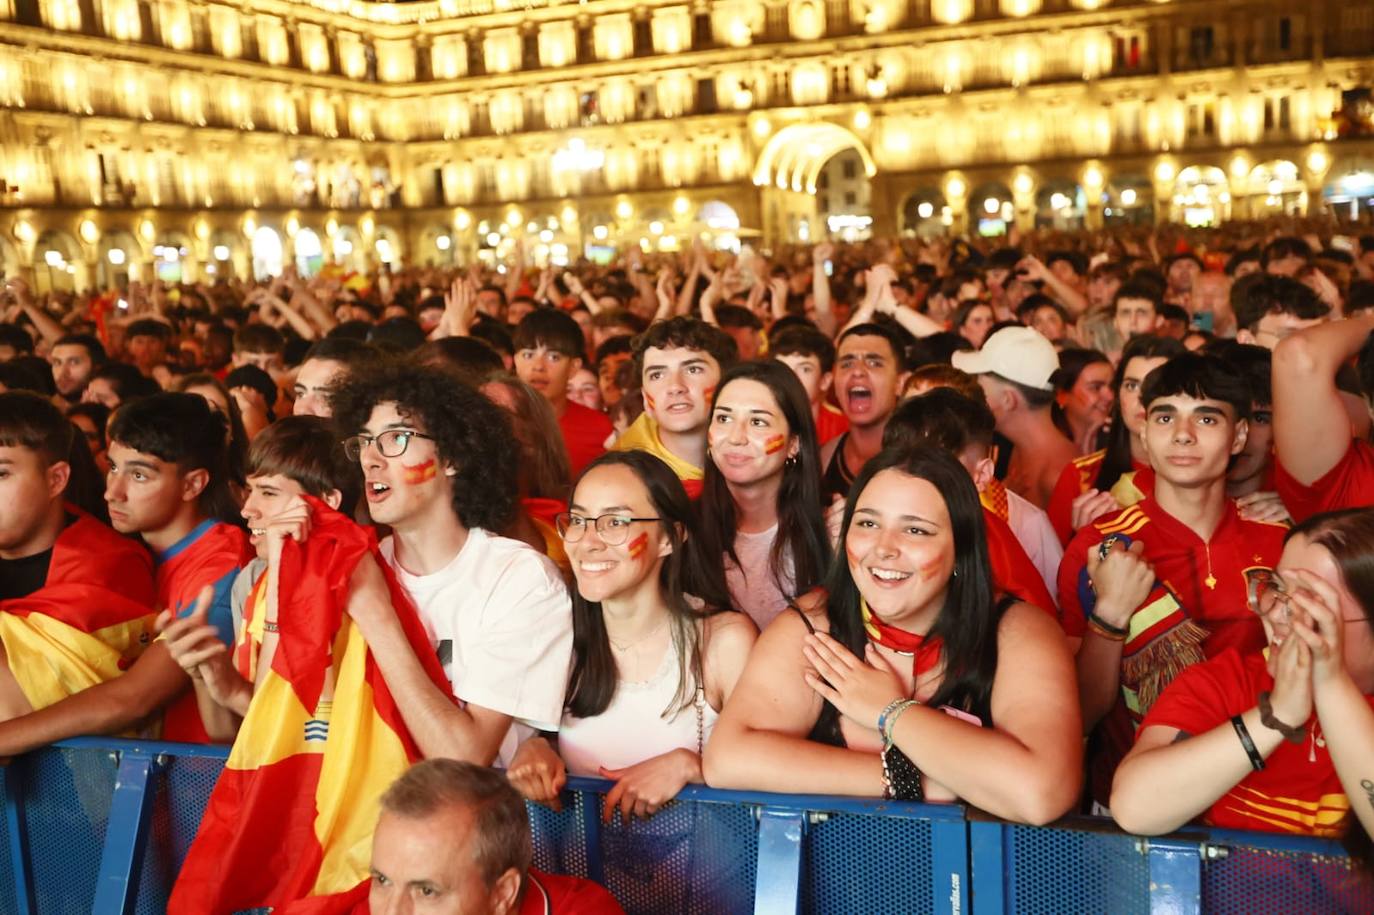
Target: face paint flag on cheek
{"x": 774, "y": 444}
{"x": 637, "y": 546}
{"x": 419, "y": 473}
{"x": 648, "y": 402}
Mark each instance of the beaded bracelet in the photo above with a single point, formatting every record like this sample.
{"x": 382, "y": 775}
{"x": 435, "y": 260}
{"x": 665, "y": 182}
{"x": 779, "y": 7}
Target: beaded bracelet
{"x": 887, "y": 710}
{"x": 892, "y": 716}
{"x": 269, "y": 626}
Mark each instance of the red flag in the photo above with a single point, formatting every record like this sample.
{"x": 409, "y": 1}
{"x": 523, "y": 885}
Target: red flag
{"x": 291, "y": 817}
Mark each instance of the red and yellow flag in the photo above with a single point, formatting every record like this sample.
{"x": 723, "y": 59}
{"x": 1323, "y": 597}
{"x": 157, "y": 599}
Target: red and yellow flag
{"x": 291, "y": 817}
{"x": 91, "y": 619}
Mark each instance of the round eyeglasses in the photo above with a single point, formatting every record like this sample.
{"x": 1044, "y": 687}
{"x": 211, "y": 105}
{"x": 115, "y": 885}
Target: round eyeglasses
{"x": 391, "y": 443}
{"x": 613, "y": 529}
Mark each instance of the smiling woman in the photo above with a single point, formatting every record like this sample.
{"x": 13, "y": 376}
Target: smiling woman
{"x": 906, "y": 677}
{"x": 650, "y": 672}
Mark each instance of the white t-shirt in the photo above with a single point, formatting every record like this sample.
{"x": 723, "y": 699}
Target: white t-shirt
{"x": 501, "y": 620}
{"x": 1032, "y": 527}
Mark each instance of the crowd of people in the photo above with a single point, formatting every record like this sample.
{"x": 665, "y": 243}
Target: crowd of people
{"x": 1042, "y": 524}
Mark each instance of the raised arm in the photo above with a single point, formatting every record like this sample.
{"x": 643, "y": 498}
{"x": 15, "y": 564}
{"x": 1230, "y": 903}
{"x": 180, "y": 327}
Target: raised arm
{"x": 1311, "y": 426}
{"x": 820, "y": 286}
{"x": 440, "y": 726}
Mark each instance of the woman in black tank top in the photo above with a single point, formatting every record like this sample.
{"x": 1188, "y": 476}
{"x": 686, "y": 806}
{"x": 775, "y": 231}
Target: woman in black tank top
{"x": 909, "y": 612}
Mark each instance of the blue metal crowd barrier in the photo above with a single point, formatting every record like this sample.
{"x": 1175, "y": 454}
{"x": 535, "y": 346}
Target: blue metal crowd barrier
{"x": 102, "y": 825}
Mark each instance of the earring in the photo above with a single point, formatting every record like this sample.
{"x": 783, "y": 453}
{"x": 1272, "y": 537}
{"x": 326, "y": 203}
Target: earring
{"x": 790, "y": 462}
{"x": 954, "y": 574}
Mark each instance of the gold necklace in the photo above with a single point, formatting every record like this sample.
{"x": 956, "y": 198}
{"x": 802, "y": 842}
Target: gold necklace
{"x": 626, "y": 646}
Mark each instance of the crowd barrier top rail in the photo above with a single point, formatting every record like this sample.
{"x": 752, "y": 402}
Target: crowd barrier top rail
{"x": 102, "y": 825}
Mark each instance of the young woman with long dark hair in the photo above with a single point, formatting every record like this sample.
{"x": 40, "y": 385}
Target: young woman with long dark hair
{"x": 760, "y": 503}
{"x": 1088, "y": 488}
{"x": 650, "y": 670}
{"x": 907, "y": 677}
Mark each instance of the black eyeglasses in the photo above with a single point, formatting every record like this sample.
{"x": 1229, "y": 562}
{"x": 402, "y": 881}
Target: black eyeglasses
{"x": 612, "y": 528}
{"x": 391, "y": 443}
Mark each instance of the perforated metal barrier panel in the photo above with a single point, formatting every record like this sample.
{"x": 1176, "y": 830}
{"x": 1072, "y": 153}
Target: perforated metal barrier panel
{"x": 1069, "y": 871}
{"x": 1315, "y": 882}
{"x": 700, "y": 855}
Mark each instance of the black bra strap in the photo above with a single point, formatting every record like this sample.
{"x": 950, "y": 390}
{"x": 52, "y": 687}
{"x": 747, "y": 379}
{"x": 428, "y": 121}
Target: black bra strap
{"x": 809, "y": 628}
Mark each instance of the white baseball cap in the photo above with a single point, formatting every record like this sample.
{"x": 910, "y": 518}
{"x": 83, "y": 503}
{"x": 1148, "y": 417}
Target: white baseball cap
{"x": 1018, "y": 354}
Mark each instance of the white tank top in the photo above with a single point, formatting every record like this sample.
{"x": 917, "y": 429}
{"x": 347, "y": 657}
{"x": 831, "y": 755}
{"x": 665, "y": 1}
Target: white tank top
{"x": 633, "y": 728}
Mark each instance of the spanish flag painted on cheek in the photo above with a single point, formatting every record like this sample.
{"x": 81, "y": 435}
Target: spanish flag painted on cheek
{"x": 289, "y": 824}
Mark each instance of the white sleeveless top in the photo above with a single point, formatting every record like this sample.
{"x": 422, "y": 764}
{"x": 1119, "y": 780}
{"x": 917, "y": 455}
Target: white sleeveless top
{"x": 633, "y": 727}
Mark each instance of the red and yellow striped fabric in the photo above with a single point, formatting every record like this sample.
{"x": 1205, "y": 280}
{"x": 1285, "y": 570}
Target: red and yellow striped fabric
{"x": 91, "y": 619}
{"x": 291, "y": 818}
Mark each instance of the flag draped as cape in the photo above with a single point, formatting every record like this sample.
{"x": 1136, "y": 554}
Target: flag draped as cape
{"x": 291, "y": 817}
{"x": 91, "y": 619}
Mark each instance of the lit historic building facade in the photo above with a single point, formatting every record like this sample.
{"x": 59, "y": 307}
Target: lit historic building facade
{"x": 190, "y": 137}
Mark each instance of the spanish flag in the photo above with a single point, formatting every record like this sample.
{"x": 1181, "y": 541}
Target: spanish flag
{"x": 91, "y": 619}
{"x": 291, "y": 818}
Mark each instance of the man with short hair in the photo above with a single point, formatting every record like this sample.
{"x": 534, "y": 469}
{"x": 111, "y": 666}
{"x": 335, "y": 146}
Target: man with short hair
{"x": 74, "y": 357}
{"x": 457, "y": 836}
{"x": 548, "y": 350}
{"x": 261, "y": 345}
{"x": 1135, "y": 310}
{"x": 439, "y": 462}
{"x": 1014, "y": 367}
{"x": 145, "y": 344}
{"x": 1285, "y": 256}
{"x": 76, "y": 599}
{"x": 743, "y": 326}
{"x": 1270, "y": 308}
{"x": 295, "y": 457}
{"x": 14, "y": 341}
{"x": 679, "y": 362}
{"x": 610, "y": 356}
{"x": 870, "y": 372}
{"x": 1169, "y": 587}
{"x": 168, "y": 483}
{"x": 811, "y": 356}
{"x": 327, "y": 364}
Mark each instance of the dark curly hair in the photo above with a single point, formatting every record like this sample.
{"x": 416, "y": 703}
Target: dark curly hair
{"x": 688, "y": 333}
{"x": 470, "y": 433}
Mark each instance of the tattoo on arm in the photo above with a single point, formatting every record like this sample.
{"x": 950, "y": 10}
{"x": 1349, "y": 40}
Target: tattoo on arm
{"x": 1180, "y": 737}
{"x": 1368, "y": 787}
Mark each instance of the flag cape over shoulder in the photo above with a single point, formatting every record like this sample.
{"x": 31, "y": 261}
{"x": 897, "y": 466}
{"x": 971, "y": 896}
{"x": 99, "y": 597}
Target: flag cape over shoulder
{"x": 91, "y": 619}
{"x": 291, "y": 817}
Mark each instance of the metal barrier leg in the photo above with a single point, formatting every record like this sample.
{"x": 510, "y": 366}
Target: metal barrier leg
{"x": 1175, "y": 877}
{"x": 777, "y": 889}
{"x": 989, "y": 866}
{"x": 591, "y": 836}
{"x": 18, "y": 839}
{"x": 949, "y": 865}
{"x": 121, "y": 859}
